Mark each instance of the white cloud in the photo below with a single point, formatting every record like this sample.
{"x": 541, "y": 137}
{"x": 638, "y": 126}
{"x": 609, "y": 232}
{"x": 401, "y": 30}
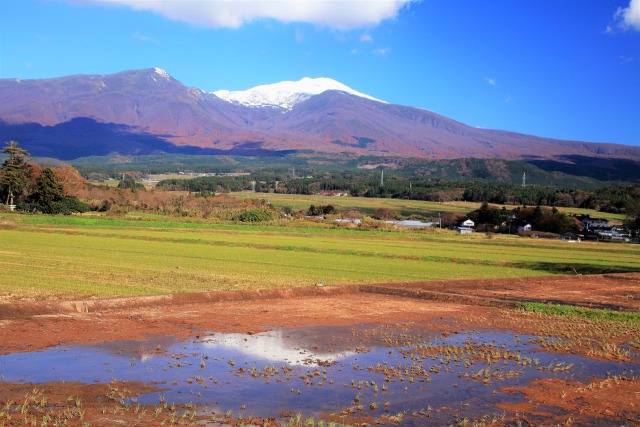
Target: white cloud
{"x": 627, "y": 17}
{"x": 383, "y": 51}
{"x": 338, "y": 14}
{"x": 490, "y": 81}
{"x": 366, "y": 38}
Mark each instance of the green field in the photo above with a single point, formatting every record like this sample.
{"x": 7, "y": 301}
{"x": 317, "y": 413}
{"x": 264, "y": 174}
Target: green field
{"x": 73, "y": 256}
{"x": 363, "y": 204}
{"x": 402, "y": 206}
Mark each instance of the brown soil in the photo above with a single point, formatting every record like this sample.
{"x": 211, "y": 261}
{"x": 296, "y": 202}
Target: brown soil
{"x": 604, "y": 291}
{"x": 447, "y": 305}
{"x": 611, "y": 398}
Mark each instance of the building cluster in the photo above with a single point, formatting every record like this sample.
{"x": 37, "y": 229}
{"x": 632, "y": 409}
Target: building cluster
{"x": 600, "y": 229}
{"x": 593, "y": 229}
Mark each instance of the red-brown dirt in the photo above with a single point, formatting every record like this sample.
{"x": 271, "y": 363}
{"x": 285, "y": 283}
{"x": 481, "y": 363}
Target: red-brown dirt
{"x": 449, "y": 306}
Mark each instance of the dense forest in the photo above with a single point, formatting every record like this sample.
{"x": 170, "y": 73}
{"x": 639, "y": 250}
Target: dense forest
{"x": 477, "y": 180}
{"x": 577, "y": 172}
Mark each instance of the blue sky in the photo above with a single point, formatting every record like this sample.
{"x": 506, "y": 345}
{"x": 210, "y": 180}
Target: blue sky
{"x": 565, "y": 69}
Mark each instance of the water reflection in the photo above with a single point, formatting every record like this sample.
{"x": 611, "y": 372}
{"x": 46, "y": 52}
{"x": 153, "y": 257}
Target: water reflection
{"x": 281, "y": 346}
{"x": 368, "y": 370}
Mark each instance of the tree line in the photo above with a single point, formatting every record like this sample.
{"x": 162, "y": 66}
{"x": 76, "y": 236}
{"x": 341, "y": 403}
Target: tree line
{"x": 60, "y": 189}
{"x": 613, "y": 199}
{"x": 551, "y": 220}
{"x": 32, "y": 188}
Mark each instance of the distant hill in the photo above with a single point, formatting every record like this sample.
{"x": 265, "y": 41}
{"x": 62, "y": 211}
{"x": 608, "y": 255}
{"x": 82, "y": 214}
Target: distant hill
{"x": 147, "y": 111}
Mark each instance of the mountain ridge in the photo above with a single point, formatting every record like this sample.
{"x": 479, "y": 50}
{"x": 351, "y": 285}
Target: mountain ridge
{"x": 150, "y": 103}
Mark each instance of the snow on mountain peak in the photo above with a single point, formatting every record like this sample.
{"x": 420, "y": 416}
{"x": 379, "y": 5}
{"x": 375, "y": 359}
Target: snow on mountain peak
{"x": 286, "y": 94}
{"x": 162, "y": 73}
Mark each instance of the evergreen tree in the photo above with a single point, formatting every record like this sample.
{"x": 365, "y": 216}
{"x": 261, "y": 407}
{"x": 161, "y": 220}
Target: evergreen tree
{"x": 486, "y": 214}
{"x": 14, "y": 173}
{"x": 632, "y": 218}
{"x": 536, "y": 218}
{"x": 48, "y": 195}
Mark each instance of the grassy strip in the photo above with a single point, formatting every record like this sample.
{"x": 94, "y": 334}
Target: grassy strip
{"x": 580, "y": 312}
{"x": 147, "y": 254}
{"x": 33, "y": 262}
{"x": 410, "y": 249}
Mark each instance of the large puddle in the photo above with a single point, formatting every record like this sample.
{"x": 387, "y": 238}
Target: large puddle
{"x": 419, "y": 377}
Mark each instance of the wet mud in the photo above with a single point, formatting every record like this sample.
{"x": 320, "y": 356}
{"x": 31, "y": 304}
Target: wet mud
{"x": 431, "y": 353}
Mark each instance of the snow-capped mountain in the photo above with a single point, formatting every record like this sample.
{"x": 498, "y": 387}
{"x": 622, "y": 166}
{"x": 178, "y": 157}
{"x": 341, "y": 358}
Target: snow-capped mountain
{"x": 286, "y": 95}
{"x": 148, "y": 111}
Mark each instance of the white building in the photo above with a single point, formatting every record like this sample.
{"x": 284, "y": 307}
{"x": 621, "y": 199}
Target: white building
{"x": 464, "y": 230}
{"x": 523, "y": 228}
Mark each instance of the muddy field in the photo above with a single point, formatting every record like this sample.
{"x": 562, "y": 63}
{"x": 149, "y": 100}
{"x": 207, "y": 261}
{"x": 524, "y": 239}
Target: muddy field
{"x": 420, "y": 322}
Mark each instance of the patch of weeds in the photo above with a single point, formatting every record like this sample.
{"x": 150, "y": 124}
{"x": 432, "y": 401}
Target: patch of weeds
{"x": 580, "y": 312}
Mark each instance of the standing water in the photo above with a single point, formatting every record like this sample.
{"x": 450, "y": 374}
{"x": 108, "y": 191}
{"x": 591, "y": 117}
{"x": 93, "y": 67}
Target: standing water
{"x": 406, "y": 375}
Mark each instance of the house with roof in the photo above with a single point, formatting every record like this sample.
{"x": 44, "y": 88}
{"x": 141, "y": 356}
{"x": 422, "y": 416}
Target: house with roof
{"x": 594, "y": 223}
{"x": 466, "y": 227}
{"x": 615, "y": 233}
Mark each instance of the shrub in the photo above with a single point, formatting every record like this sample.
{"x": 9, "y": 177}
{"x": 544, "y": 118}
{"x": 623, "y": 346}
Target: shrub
{"x": 383, "y": 213}
{"x": 368, "y": 223}
{"x": 352, "y": 214}
{"x": 25, "y": 206}
{"x": 131, "y": 184}
{"x": 72, "y": 204}
{"x": 321, "y": 210}
{"x": 259, "y": 214}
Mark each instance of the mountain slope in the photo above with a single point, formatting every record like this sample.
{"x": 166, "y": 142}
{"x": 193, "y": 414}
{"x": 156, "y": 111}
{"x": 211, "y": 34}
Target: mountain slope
{"x": 148, "y": 111}
{"x": 149, "y": 101}
{"x": 388, "y": 128}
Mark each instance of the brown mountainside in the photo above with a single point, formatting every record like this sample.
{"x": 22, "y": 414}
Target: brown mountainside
{"x": 148, "y": 111}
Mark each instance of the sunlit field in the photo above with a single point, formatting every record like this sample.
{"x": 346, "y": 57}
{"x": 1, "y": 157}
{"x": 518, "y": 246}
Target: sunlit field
{"x": 363, "y": 204}
{"x": 401, "y": 206}
{"x": 146, "y": 254}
